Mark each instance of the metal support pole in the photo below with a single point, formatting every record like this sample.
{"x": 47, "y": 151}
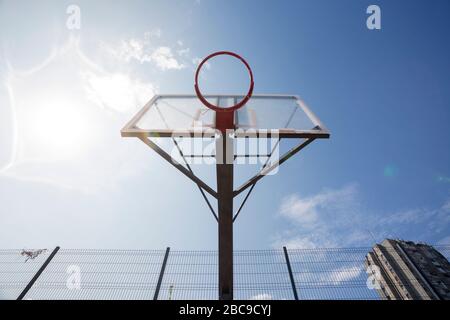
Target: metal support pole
{"x": 36, "y": 276}
{"x": 291, "y": 275}
{"x": 224, "y": 171}
{"x": 161, "y": 274}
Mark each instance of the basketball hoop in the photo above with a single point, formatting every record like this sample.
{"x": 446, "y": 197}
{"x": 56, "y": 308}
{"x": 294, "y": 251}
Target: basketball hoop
{"x": 224, "y": 116}
{"x": 173, "y": 115}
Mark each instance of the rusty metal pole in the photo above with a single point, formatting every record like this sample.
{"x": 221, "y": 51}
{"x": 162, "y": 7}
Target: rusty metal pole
{"x": 224, "y": 171}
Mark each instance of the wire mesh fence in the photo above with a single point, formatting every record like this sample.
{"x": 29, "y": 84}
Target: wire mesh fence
{"x": 190, "y": 275}
{"x": 142, "y": 274}
{"x": 99, "y": 274}
{"x": 17, "y": 269}
{"x": 331, "y": 274}
{"x": 262, "y": 274}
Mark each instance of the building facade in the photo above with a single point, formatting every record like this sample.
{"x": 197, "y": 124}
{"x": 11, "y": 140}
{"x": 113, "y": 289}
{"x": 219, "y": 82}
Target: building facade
{"x": 404, "y": 270}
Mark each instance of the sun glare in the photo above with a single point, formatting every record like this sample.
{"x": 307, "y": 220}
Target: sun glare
{"x": 58, "y": 127}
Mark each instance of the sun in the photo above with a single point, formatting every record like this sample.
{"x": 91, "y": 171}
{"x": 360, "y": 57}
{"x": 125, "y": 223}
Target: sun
{"x": 52, "y": 117}
{"x": 57, "y": 127}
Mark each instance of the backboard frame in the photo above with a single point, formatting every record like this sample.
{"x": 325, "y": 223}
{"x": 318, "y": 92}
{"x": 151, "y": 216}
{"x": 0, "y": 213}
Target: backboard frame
{"x": 318, "y": 132}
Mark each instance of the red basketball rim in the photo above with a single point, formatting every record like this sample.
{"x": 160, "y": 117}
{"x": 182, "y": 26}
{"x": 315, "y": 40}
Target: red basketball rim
{"x": 212, "y": 106}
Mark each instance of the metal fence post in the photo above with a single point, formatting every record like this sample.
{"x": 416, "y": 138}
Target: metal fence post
{"x": 38, "y": 273}
{"x": 291, "y": 276}
{"x": 161, "y": 274}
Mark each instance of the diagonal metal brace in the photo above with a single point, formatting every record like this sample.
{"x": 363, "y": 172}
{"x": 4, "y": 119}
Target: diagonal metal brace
{"x": 265, "y": 171}
{"x": 179, "y": 166}
{"x": 199, "y": 188}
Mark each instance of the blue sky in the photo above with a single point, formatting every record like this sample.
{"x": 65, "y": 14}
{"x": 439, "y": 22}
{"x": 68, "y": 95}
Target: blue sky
{"x": 382, "y": 93}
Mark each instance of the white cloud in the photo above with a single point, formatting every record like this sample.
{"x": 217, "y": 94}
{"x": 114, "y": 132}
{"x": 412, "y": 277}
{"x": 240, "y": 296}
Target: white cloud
{"x": 261, "y": 296}
{"x": 306, "y": 210}
{"x": 132, "y": 49}
{"x": 196, "y": 61}
{"x": 407, "y": 216}
{"x": 343, "y": 274}
{"x": 322, "y": 220}
{"x": 164, "y": 59}
{"x": 303, "y": 211}
{"x": 337, "y": 218}
{"x": 304, "y": 242}
{"x": 145, "y": 51}
{"x": 155, "y": 33}
{"x": 432, "y": 220}
{"x": 117, "y": 91}
{"x": 183, "y": 52}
